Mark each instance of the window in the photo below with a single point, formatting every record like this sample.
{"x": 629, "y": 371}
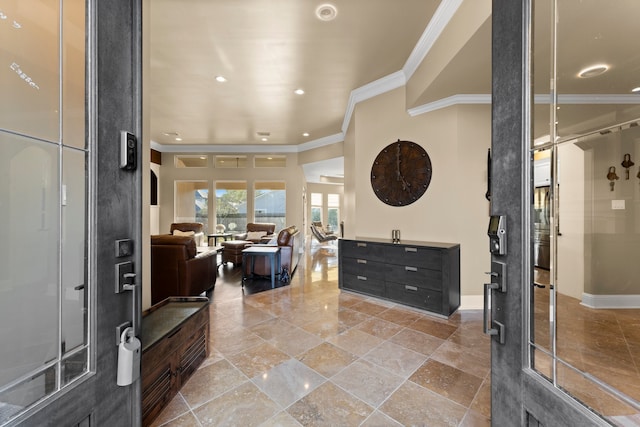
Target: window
{"x": 231, "y": 162}
{"x": 192, "y": 161}
{"x": 231, "y": 205}
{"x": 192, "y": 202}
{"x": 270, "y": 161}
{"x": 270, "y": 203}
{"x": 316, "y": 207}
{"x": 333, "y": 212}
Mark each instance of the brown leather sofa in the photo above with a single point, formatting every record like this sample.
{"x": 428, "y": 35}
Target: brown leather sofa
{"x": 289, "y": 240}
{"x": 232, "y": 249}
{"x": 268, "y": 228}
{"x": 178, "y": 270}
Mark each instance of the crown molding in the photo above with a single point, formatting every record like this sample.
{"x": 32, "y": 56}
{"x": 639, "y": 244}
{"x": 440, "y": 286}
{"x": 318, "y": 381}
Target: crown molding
{"x": 210, "y": 148}
{"x": 448, "y": 102}
{"x": 438, "y": 23}
{"x": 321, "y": 142}
{"x": 370, "y": 90}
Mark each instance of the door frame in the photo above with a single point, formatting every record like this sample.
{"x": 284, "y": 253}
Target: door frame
{"x": 517, "y": 391}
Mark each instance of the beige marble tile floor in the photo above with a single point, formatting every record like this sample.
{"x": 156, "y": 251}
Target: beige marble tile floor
{"x": 307, "y": 354}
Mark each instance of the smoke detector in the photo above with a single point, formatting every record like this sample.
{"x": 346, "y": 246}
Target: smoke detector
{"x": 326, "y": 12}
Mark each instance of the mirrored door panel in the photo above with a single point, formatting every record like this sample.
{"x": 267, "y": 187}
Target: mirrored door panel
{"x": 585, "y": 298}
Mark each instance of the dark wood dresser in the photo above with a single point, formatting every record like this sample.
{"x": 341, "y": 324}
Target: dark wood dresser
{"x": 424, "y": 275}
{"x": 175, "y": 341}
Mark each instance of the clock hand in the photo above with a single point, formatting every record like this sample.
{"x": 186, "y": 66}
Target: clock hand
{"x": 405, "y": 184}
{"x": 398, "y": 174}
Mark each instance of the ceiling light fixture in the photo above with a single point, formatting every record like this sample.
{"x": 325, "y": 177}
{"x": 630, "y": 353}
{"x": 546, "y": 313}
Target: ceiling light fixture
{"x": 592, "y": 71}
{"x": 636, "y": 89}
{"x": 326, "y": 12}
{"x": 221, "y": 79}
{"x": 178, "y": 139}
{"x": 299, "y": 92}
{"x": 265, "y": 139}
{"x": 305, "y": 134}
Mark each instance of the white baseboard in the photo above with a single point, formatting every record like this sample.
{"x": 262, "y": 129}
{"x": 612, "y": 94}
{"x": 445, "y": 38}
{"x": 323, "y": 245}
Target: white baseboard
{"x": 471, "y": 302}
{"x": 610, "y": 301}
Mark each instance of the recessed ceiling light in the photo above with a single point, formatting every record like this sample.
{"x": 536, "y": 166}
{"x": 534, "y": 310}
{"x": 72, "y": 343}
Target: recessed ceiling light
{"x": 635, "y": 89}
{"x": 178, "y": 139}
{"x": 203, "y": 157}
{"x": 220, "y": 79}
{"x": 299, "y": 92}
{"x": 265, "y": 139}
{"x": 326, "y": 12}
{"x": 592, "y": 71}
{"x": 305, "y": 134}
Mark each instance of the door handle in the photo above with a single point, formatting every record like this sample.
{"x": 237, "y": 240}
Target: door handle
{"x": 498, "y": 330}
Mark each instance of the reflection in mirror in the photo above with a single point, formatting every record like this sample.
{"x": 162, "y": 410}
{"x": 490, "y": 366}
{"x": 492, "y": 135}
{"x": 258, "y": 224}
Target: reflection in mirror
{"x": 541, "y": 215}
{"x": 585, "y": 321}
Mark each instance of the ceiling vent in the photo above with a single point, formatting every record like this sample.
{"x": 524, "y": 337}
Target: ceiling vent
{"x": 263, "y": 133}
{"x": 326, "y": 12}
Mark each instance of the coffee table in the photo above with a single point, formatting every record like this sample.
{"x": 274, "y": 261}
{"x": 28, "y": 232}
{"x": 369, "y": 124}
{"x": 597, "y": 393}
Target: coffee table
{"x": 272, "y": 252}
{"x": 216, "y": 236}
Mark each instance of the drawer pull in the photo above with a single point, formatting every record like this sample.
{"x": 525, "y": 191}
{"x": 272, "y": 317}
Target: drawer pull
{"x": 410, "y": 288}
{"x": 362, "y": 261}
{"x": 411, "y": 249}
{"x": 362, "y": 245}
{"x": 407, "y": 268}
{"x": 362, "y": 278}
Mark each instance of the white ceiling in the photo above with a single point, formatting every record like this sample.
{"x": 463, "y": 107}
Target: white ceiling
{"x": 266, "y": 50}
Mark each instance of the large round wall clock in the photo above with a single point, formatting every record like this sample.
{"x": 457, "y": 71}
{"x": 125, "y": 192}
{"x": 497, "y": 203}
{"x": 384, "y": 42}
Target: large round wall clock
{"x": 401, "y": 173}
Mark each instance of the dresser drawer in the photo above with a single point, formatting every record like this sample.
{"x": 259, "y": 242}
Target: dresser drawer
{"x": 415, "y": 296}
{"x": 414, "y": 255}
{"x": 360, "y": 266}
{"x": 366, "y": 284}
{"x": 363, "y": 250}
{"x": 416, "y": 276}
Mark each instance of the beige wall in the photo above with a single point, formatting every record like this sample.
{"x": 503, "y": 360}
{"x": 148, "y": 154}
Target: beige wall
{"x": 454, "y": 208}
{"x": 323, "y": 153}
{"x": 349, "y": 192}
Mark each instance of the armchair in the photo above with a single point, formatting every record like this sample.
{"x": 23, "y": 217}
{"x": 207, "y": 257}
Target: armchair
{"x": 178, "y": 270}
{"x": 320, "y": 236}
{"x": 187, "y": 227}
{"x": 289, "y": 241}
{"x": 258, "y": 232}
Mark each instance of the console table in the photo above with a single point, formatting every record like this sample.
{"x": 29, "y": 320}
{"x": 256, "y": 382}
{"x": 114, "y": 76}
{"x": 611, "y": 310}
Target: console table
{"x": 425, "y": 275}
{"x": 175, "y": 340}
